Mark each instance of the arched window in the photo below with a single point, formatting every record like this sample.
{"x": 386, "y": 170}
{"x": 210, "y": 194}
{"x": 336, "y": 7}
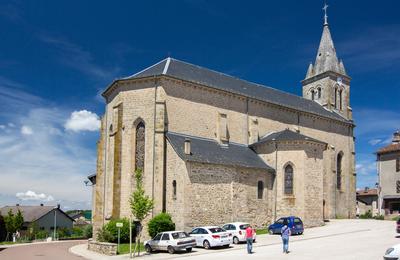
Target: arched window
{"x": 335, "y": 97}
{"x": 139, "y": 146}
{"x": 339, "y": 171}
{"x": 174, "y": 189}
{"x": 319, "y": 93}
{"x": 312, "y": 94}
{"x": 288, "y": 180}
{"x": 260, "y": 189}
{"x": 340, "y": 99}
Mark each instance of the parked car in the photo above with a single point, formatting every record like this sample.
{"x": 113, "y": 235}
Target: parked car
{"x": 392, "y": 253}
{"x": 295, "y": 224}
{"x": 214, "y": 236}
{"x": 398, "y": 226}
{"x": 238, "y": 231}
{"x": 170, "y": 241}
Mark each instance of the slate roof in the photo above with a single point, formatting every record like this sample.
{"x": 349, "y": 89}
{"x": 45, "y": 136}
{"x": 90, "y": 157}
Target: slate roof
{"x": 30, "y": 213}
{"x": 210, "y": 151}
{"x": 286, "y": 135}
{"x": 391, "y": 197}
{"x": 196, "y": 74}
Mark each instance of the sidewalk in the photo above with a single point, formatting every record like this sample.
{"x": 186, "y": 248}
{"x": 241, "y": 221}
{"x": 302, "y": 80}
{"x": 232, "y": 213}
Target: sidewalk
{"x": 336, "y": 229}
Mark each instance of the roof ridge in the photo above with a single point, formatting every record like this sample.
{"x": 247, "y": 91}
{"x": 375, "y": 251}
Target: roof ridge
{"x": 203, "y": 138}
{"x": 133, "y": 75}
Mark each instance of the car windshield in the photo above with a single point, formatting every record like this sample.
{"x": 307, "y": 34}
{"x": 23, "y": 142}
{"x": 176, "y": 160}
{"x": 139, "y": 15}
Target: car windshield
{"x": 244, "y": 226}
{"x": 178, "y": 235}
{"x": 216, "y": 230}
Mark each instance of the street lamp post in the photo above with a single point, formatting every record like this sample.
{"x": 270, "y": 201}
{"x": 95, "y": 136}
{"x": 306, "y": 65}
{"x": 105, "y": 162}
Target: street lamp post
{"x": 55, "y": 223}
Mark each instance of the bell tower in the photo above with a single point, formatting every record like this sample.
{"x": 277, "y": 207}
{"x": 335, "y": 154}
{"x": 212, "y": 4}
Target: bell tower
{"x": 327, "y": 82}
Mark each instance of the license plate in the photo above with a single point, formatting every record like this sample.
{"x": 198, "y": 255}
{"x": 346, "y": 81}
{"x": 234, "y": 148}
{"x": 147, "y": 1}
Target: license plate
{"x": 224, "y": 236}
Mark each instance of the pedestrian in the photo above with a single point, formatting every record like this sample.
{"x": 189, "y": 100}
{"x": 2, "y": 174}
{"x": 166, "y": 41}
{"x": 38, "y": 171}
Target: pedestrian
{"x": 285, "y": 233}
{"x": 249, "y": 239}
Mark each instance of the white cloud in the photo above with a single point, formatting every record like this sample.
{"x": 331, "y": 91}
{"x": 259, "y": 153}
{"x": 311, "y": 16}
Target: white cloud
{"x": 2, "y": 127}
{"x": 31, "y": 195}
{"x": 374, "y": 142}
{"x": 83, "y": 121}
{"x": 26, "y": 130}
{"x": 51, "y": 160}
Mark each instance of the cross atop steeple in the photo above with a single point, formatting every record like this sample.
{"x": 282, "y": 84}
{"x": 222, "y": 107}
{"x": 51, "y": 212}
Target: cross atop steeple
{"x": 326, "y": 13}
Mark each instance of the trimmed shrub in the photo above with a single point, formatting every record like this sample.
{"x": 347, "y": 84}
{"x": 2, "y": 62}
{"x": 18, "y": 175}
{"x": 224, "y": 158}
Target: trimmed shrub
{"x": 160, "y": 223}
{"x": 379, "y": 217}
{"x": 41, "y": 234}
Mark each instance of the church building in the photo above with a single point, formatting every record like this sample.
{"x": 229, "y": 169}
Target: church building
{"x": 215, "y": 148}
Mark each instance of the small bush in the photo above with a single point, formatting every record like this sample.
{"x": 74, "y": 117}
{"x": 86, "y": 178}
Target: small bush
{"x": 41, "y": 234}
{"x": 88, "y": 231}
{"x": 396, "y": 218}
{"x": 109, "y": 232}
{"x": 160, "y": 223}
{"x": 77, "y": 232}
{"x": 379, "y": 217}
{"x": 366, "y": 215}
{"x": 63, "y": 232}
{"x": 103, "y": 235}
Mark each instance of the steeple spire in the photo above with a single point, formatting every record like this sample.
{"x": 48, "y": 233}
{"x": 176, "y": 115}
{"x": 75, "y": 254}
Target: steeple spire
{"x": 326, "y": 14}
{"x": 326, "y": 59}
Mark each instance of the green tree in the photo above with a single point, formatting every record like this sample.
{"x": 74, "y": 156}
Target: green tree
{"x": 141, "y": 204}
{"x": 10, "y": 223}
{"x": 3, "y": 231}
{"x": 18, "y": 221}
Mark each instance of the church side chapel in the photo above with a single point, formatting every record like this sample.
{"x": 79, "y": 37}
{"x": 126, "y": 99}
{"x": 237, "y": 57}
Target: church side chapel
{"x": 214, "y": 148}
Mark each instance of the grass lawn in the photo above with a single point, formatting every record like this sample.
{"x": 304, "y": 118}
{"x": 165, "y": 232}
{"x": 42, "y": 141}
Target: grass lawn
{"x": 261, "y": 231}
{"x": 124, "y": 248}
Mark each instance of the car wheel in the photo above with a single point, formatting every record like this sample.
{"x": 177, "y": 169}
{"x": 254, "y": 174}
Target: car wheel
{"x": 254, "y": 240}
{"x": 189, "y": 249}
{"x": 171, "y": 250}
{"x": 301, "y": 233}
{"x": 148, "y": 248}
{"x": 235, "y": 240}
{"x": 206, "y": 244}
{"x": 271, "y": 232}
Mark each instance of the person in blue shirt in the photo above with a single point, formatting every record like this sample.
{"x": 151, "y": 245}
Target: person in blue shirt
{"x": 285, "y": 231}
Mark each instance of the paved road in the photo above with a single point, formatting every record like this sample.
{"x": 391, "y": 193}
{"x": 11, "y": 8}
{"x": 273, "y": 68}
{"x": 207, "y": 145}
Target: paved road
{"x": 339, "y": 239}
{"x": 42, "y": 251}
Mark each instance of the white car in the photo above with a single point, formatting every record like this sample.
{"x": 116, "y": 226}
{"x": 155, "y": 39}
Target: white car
{"x": 238, "y": 230}
{"x": 208, "y": 237}
{"x": 392, "y": 253}
{"x": 170, "y": 241}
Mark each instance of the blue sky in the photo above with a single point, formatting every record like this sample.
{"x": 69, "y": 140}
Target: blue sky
{"x": 57, "y": 56}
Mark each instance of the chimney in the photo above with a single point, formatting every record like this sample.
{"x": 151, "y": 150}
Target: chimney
{"x": 58, "y": 206}
{"x": 17, "y": 205}
{"x": 41, "y": 204}
{"x": 187, "y": 147}
{"x": 396, "y": 137}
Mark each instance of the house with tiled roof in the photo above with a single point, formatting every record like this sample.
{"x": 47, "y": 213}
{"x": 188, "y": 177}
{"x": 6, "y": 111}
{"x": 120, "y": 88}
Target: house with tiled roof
{"x": 43, "y": 217}
{"x": 388, "y": 165}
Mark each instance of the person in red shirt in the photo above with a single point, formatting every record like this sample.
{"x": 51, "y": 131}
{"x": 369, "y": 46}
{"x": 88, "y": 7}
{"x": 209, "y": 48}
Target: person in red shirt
{"x": 249, "y": 239}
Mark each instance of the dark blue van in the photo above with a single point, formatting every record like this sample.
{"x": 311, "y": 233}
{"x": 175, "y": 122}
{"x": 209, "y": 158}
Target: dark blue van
{"x": 295, "y": 224}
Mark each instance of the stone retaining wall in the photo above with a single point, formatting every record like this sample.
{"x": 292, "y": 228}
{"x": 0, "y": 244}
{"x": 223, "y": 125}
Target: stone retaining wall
{"x": 102, "y": 247}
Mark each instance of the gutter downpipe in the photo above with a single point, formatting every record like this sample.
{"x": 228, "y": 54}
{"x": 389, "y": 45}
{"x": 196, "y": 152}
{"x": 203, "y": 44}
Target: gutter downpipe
{"x": 276, "y": 178}
{"x": 154, "y": 140}
{"x": 105, "y": 165}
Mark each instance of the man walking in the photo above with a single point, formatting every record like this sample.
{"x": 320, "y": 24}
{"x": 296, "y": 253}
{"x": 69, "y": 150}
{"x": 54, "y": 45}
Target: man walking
{"x": 285, "y": 231}
{"x": 249, "y": 239}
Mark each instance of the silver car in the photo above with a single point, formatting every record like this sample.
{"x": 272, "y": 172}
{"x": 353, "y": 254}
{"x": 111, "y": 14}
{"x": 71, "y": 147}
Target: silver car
{"x": 170, "y": 241}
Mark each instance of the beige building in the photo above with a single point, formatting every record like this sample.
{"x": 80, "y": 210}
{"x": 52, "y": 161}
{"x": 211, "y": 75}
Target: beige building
{"x": 215, "y": 148}
{"x": 388, "y": 162}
